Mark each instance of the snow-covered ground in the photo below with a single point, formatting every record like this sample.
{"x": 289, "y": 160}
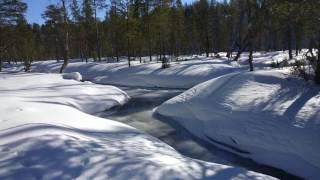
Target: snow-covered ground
{"x": 266, "y": 115}
{"x": 54, "y": 89}
{"x": 182, "y": 74}
{"x": 46, "y": 134}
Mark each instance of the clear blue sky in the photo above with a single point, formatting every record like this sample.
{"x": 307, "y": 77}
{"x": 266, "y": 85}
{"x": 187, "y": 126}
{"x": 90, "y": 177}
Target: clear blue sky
{"x": 36, "y": 8}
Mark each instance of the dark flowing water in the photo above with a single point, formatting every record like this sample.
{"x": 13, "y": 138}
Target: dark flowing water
{"x": 138, "y": 112}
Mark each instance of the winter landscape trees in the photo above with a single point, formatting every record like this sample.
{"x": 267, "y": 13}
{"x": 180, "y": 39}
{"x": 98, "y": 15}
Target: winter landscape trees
{"x": 10, "y": 13}
{"x": 232, "y": 83}
{"x": 164, "y": 28}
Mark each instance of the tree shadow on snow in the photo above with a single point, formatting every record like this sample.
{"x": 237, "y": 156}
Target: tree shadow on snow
{"x": 37, "y": 151}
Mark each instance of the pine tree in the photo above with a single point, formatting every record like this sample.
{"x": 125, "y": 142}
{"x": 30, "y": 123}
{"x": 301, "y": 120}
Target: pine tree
{"x": 89, "y": 28}
{"x": 176, "y": 28}
{"x": 313, "y": 29}
{"x": 202, "y": 21}
{"x": 10, "y": 12}
{"x": 65, "y": 36}
{"x": 77, "y": 30}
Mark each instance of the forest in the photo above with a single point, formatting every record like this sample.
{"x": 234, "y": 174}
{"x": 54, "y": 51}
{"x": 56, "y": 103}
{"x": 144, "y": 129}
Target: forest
{"x": 137, "y": 28}
{"x": 160, "y": 89}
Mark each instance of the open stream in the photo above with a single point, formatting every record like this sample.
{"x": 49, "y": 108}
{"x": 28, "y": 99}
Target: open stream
{"x": 138, "y": 112}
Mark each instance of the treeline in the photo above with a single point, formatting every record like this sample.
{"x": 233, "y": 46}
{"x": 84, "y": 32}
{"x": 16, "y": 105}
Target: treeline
{"x": 136, "y": 28}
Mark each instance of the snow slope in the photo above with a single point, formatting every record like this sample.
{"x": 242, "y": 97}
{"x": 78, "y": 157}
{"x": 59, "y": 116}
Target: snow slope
{"x": 45, "y": 135}
{"x": 183, "y": 74}
{"x": 47, "y": 88}
{"x": 265, "y": 115}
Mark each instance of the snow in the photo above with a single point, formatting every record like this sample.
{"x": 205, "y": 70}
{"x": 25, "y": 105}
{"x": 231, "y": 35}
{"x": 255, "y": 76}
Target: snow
{"x": 45, "y": 133}
{"x": 179, "y": 75}
{"x": 74, "y": 75}
{"x": 187, "y": 73}
{"x": 47, "y": 88}
{"x": 266, "y": 115}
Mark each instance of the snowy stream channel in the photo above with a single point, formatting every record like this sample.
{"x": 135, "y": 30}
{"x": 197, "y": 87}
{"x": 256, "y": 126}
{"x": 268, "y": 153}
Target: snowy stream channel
{"x": 138, "y": 112}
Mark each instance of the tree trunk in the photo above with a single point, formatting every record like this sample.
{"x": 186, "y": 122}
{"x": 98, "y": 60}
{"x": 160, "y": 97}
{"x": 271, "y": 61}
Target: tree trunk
{"x": 66, "y": 38}
{"x": 311, "y": 47}
{"x": 297, "y": 45}
{"x": 140, "y": 55}
{"x": 289, "y": 36}
{"x": 117, "y": 55}
{"x": 251, "y": 58}
{"x": 56, "y": 50}
{"x": 228, "y": 54}
{"x": 128, "y": 40}
{"x": 0, "y": 64}
{"x": 64, "y": 65}
{"x": 207, "y": 44}
{"x": 275, "y": 41}
{"x": 148, "y": 32}
{"x": 86, "y": 58}
{"x": 27, "y": 64}
{"x": 160, "y": 50}
{"x": 98, "y": 45}
{"x": 243, "y": 45}
{"x": 238, "y": 55}
{"x": 319, "y": 49}
{"x": 317, "y": 71}
{"x": 81, "y": 55}
{"x": 129, "y": 58}
{"x": 240, "y": 50}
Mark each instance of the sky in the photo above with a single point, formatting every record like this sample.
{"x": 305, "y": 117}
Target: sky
{"x": 36, "y": 8}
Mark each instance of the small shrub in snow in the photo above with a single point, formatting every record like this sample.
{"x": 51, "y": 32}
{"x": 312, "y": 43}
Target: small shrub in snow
{"x": 280, "y": 64}
{"x": 301, "y": 69}
{"x": 275, "y": 64}
{"x": 27, "y": 65}
{"x": 74, "y": 75}
{"x": 165, "y": 63}
{"x": 285, "y": 62}
{"x": 306, "y": 67}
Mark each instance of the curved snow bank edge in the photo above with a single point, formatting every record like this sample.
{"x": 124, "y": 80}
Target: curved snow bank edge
{"x": 48, "y": 138}
{"x": 250, "y": 112}
{"x": 73, "y": 75}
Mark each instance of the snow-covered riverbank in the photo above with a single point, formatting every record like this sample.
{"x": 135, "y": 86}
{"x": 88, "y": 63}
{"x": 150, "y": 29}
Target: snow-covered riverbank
{"x": 265, "y": 115}
{"x": 45, "y": 135}
{"x": 268, "y": 116}
{"x": 182, "y": 74}
{"x": 139, "y": 113}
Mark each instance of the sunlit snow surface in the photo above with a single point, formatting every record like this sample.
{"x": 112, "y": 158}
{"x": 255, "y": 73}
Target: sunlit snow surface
{"x": 186, "y": 73}
{"x": 45, "y": 133}
{"x": 267, "y": 115}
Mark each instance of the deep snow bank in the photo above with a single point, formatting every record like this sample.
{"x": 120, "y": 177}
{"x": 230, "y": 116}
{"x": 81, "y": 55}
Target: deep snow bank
{"x": 52, "y": 88}
{"x": 182, "y": 74}
{"x": 43, "y": 135}
{"x": 266, "y": 115}
{"x": 179, "y": 75}
{"x": 74, "y": 75}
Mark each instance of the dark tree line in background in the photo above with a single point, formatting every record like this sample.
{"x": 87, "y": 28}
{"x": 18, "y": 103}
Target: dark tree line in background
{"x": 165, "y": 28}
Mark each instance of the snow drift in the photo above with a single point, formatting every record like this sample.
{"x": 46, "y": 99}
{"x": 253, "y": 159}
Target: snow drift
{"x": 266, "y": 115}
{"x": 179, "y": 75}
{"x": 74, "y": 75}
{"x": 44, "y": 135}
{"x": 52, "y": 88}
{"x": 186, "y": 73}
